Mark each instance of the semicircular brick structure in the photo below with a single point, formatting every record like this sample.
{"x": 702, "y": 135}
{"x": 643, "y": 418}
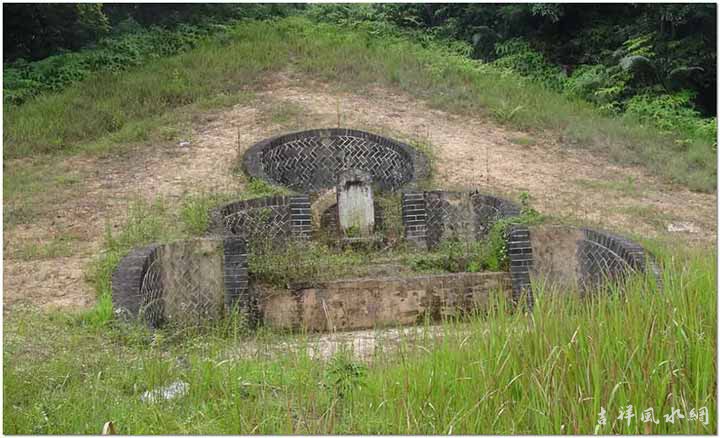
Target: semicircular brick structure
{"x": 311, "y": 160}
{"x": 604, "y": 257}
{"x": 185, "y": 282}
{"x": 565, "y": 258}
{"x": 431, "y": 217}
{"x": 271, "y": 218}
{"x": 198, "y": 280}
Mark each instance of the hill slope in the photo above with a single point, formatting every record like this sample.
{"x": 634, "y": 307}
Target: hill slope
{"x": 470, "y": 152}
{"x": 119, "y": 161}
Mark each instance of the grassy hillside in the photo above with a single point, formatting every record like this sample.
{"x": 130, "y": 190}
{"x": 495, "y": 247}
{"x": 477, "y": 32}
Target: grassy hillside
{"x": 550, "y": 372}
{"x": 110, "y": 109}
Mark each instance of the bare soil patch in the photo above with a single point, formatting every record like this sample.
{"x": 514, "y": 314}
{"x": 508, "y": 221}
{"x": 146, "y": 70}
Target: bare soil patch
{"x": 470, "y": 152}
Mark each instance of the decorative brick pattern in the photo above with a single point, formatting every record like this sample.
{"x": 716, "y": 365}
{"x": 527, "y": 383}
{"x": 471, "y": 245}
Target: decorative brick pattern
{"x": 152, "y": 306}
{"x": 274, "y": 219}
{"x": 521, "y": 259}
{"x": 490, "y": 209}
{"x": 433, "y": 216}
{"x": 450, "y": 215}
{"x": 127, "y": 280}
{"x": 604, "y": 257}
{"x": 311, "y": 160}
{"x": 180, "y": 282}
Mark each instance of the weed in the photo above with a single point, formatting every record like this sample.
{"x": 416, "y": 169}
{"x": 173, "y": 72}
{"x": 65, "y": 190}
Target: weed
{"x": 108, "y": 106}
{"x": 300, "y": 261}
{"x": 257, "y": 187}
{"x": 505, "y": 114}
{"x": 641, "y": 347}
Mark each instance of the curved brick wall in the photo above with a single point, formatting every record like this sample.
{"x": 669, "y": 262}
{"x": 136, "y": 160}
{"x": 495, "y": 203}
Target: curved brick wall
{"x": 566, "y": 258}
{"x": 311, "y": 160}
{"x": 608, "y": 257}
{"x": 276, "y": 218}
{"x": 433, "y": 216}
{"x": 198, "y": 280}
{"x": 183, "y": 282}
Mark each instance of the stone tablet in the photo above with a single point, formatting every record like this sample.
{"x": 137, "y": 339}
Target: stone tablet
{"x": 356, "y": 211}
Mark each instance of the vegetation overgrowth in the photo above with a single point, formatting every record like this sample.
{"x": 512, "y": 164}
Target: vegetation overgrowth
{"x": 661, "y": 131}
{"x": 552, "y": 371}
{"x": 135, "y": 37}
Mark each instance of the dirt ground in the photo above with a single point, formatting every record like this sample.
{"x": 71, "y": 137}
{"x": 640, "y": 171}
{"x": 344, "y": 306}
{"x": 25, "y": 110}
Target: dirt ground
{"x": 468, "y": 152}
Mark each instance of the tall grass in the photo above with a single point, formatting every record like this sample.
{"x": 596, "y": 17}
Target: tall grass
{"x": 157, "y": 222}
{"x": 109, "y": 104}
{"x": 548, "y": 372}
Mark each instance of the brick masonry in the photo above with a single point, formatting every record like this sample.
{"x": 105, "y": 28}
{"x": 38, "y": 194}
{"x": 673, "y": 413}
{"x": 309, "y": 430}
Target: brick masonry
{"x": 300, "y": 216}
{"x": 311, "y": 160}
{"x": 276, "y": 218}
{"x": 604, "y": 256}
{"x": 433, "y": 216}
{"x": 187, "y": 281}
{"x": 567, "y": 258}
{"x": 127, "y": 280}
{"x": 235, "y": 278}
{"x": 520, "y": 254}
{"x": 414, "y": 217}
{"x": 191, "y": 280}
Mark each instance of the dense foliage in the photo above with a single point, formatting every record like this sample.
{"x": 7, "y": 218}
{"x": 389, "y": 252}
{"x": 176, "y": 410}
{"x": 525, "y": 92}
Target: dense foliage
{"x": 33, "y": 31}
{"x": 630, "y": 48}
{"x": 115, "y": 37}
{"x": 641, "y": 63}
{"x": 654, "y": 62}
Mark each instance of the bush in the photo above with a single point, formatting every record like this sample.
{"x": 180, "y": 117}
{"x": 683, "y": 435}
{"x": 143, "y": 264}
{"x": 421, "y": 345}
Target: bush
{"x": 598, "y": 84}
{"x": 673, "y": 113}
{"x": 24, "y": 81}
{"x": 452, "y": 256}
{"x": 517, "y": 55}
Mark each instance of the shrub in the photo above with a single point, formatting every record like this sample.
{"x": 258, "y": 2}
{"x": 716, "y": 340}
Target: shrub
{"x": 673, "y": 113}
{"x": 24, "y": 81}
{"x": 516, "y": 54}
{"x": 601, "y": 85}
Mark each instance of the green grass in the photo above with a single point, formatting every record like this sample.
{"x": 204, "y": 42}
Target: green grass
{"x": 523, "y": 141}
{"x": 240, "y": 59}
{"x": 157, "y": 222}
{"x": 548, "y": 372}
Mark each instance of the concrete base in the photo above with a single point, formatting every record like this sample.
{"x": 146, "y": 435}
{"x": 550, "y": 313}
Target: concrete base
{"x": 370, "y": 303}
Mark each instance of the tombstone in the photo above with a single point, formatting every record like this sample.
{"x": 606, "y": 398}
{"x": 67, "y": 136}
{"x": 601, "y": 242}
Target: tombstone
{"x": 356, "y": 213}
